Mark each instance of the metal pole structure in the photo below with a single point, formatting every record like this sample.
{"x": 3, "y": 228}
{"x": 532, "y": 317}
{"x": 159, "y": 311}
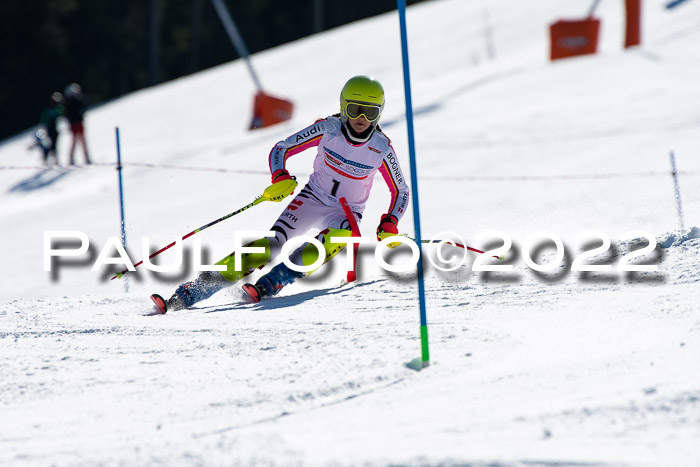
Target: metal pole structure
{"x": 196, "y": 40}
{"x": 236, "y": 38}
{"x": 425, "y": 354}
{"x": 593, "y": 8}
{"x": 121, "y": 199}
{"x": 318, "y": 16}
{"x": 154, "y": 49}
{"x": 677, "y": 191}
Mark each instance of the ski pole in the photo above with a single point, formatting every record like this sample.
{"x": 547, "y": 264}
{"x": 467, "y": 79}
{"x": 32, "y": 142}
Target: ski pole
{"x": 459, "y": 245}
{"x": 276, "y": 192}
{"x": 455, "y": 244}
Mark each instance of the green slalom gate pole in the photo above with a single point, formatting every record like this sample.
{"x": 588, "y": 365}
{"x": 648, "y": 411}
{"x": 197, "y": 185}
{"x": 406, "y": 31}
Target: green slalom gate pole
{"x": 424, "y": 360}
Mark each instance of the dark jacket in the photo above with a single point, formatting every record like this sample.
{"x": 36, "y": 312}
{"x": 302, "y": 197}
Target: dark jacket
{"x": 49, "y": 117}
{"x": 74, "y": 108}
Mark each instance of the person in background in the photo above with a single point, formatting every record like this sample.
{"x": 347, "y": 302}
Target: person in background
{"x": 49, "y": 117}
{"x": 42, "y": 141}
{"x": 74, "y": 105}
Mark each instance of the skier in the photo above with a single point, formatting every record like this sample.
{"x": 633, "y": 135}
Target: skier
{"x": 351, "y": 149}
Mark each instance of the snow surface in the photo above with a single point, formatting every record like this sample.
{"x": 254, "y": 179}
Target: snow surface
{"x": 558, "y": 368}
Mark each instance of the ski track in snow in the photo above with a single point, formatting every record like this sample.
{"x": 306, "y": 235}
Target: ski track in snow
{"x": 98, "y": 379}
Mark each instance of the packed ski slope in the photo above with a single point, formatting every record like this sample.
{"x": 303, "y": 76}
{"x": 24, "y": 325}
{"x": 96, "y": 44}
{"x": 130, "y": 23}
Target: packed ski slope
{"x": 528, "y": 368}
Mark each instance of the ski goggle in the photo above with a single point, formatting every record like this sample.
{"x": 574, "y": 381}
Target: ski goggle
{"x": 371, "y": 112}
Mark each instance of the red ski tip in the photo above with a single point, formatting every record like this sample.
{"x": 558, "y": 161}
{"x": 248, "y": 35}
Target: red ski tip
{"x": 251, "y": 293}
{"x": 160, "y": 305}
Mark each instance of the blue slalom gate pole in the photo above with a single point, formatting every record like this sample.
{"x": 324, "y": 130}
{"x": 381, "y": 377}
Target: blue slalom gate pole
{"x": 425, "y": 354}
{"x": 121, "y": 199}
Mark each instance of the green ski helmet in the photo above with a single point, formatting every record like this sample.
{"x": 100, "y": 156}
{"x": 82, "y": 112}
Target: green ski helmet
{"x": 362, "y": 95}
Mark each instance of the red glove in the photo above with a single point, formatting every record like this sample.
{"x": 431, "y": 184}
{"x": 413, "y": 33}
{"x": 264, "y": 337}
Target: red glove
{"x": 279, "y": 175}
{"x": 387, "y": 225}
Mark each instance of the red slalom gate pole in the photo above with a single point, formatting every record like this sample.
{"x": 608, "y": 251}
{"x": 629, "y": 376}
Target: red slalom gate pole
{"x": 355, "y": 233}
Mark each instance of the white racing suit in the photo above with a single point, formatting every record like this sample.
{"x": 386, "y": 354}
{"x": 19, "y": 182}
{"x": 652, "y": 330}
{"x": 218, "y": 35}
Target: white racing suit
{"x": 341, "y": 169}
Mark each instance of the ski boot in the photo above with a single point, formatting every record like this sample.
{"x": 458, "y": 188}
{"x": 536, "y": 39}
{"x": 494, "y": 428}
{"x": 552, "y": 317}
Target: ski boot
{"x": 271, "y": 283}
{"x": 189, "y": 293}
